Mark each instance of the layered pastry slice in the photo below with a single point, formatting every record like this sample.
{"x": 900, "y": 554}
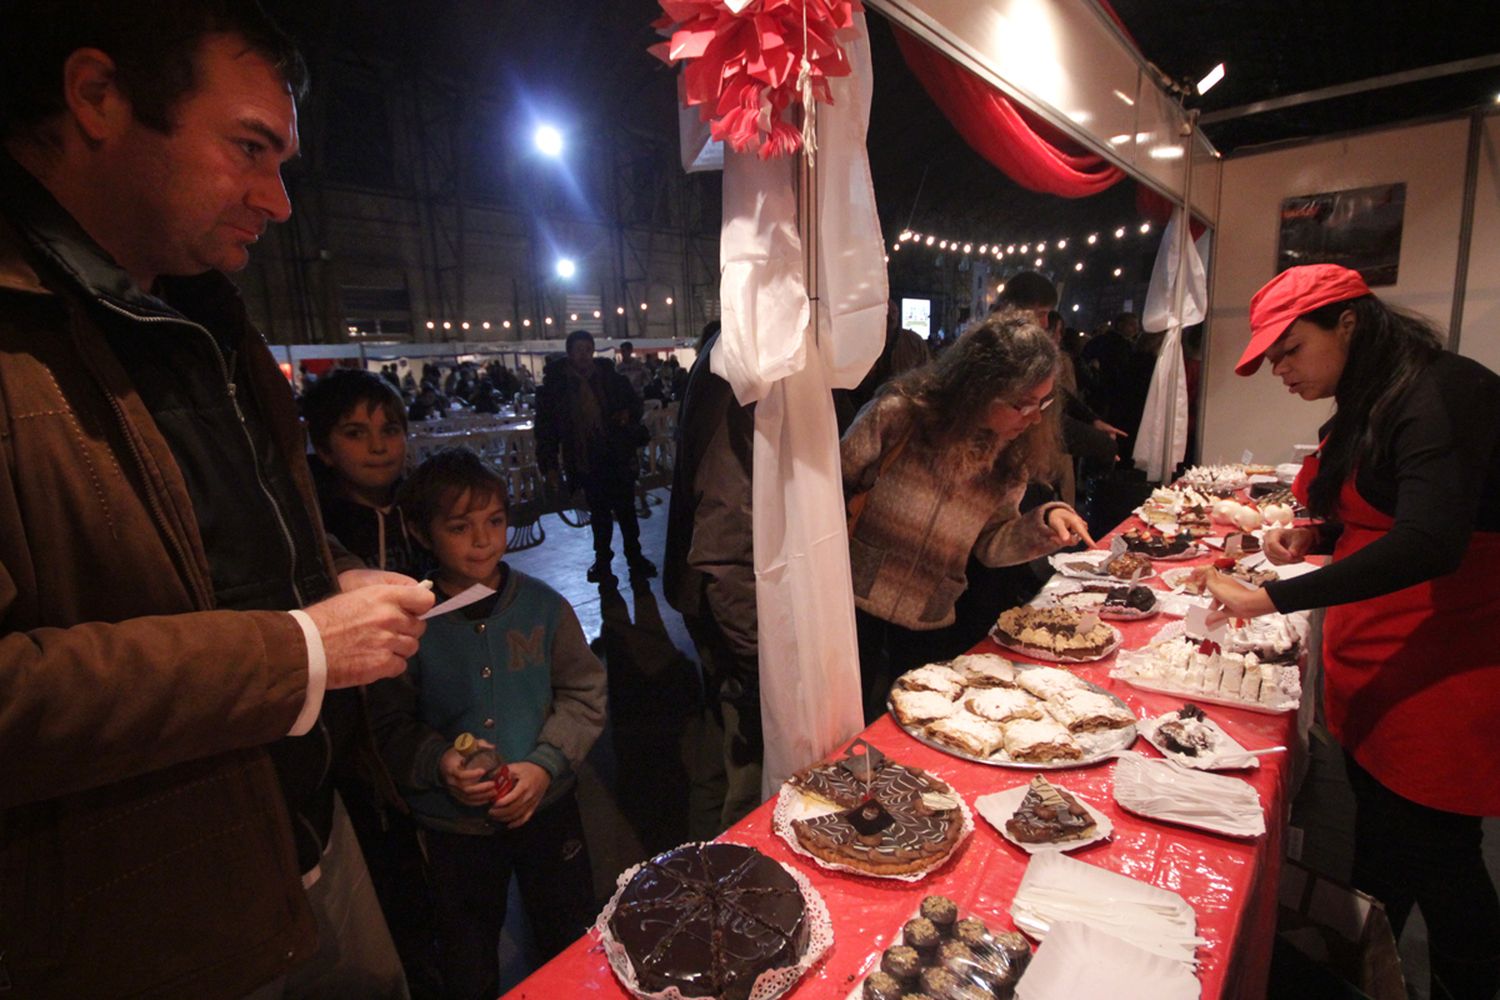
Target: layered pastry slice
{"x": 1039, "y": 742}
{"x": 1084, "y": 711}
{"x": 967, "y": 734}
{"x": 1003, "y": 704}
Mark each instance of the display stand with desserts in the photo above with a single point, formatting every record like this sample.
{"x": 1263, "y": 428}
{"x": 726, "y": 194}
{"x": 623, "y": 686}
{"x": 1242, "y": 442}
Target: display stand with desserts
{"x": 715, "y": 920}
{"x": 1041, "y": 718}
{"x": 1204, "y": 841}
{"x": 868, "y": 814}
{"x": 941, "y": 954}
{"x": 1178, "y": 546}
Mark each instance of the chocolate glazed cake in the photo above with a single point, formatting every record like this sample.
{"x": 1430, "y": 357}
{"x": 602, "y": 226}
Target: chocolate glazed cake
{"x": 709, "y": 919}
{"x": 892, "y": 820}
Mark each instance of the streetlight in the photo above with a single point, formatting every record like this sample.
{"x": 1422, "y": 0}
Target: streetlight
{"x": 565, "y": 267}
{"x": 548, "y": 140}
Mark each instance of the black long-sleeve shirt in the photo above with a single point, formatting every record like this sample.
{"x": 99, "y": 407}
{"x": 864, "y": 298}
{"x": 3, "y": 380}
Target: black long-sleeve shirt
{"x": 1440, "y": 481}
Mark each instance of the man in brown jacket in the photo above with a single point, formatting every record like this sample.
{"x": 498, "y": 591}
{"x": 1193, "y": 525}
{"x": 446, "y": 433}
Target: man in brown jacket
{"x": 157, "y": 521}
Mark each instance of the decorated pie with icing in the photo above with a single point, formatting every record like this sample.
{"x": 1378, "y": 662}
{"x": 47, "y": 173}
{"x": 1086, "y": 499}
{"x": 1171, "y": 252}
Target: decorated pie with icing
{"x": 890, "y": 819}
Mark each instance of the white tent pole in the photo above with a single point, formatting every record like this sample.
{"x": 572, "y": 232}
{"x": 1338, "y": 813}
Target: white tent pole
{"x": 1179, "y": 294}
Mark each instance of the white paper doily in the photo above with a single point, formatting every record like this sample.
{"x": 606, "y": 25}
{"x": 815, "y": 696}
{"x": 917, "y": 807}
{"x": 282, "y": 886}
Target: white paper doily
{"x": 769, "y": 984}
{"x": 791, "y": 804}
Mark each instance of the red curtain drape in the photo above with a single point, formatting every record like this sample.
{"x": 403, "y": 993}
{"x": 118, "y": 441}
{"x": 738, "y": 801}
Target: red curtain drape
{"x": 1029, "y": 151}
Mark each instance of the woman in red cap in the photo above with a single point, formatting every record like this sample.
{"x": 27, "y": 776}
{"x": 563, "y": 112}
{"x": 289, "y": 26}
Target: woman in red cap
{"x": 1405, "y": 488}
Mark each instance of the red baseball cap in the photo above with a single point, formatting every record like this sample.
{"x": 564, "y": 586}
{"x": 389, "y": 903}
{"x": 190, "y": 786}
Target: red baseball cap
{"x": 1293, "y": 293}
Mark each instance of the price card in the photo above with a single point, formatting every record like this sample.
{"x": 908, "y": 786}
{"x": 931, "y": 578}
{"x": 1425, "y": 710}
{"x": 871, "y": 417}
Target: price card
{"x": 1195, "y": 624}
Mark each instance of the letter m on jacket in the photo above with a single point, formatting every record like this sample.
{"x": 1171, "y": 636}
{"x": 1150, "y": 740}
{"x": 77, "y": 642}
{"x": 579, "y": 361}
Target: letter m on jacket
{"x": 527, "y": 649}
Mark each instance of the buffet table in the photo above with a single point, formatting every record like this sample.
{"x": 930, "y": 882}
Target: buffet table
{"x": 1230, "y": 883}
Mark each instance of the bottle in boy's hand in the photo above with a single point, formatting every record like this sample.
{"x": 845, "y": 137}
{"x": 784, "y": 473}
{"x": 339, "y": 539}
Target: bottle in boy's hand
{"x": 494, "y": 766}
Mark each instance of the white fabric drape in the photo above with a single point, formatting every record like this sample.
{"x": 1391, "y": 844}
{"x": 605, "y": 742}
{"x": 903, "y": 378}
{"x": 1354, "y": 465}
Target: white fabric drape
{"x": 772, "y": 353}
{"x": 1177, "y": 278}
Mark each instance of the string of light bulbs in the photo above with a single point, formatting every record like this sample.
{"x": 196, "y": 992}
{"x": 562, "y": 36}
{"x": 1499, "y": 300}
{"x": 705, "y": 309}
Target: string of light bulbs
{"x": 505, "y": 324}
{"x": 1002, "y": 250}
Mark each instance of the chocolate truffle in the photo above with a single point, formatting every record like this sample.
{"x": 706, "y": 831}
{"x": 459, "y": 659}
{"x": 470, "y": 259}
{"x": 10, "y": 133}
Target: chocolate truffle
{"x": 971, "y": 931}
{"x": 923, "y": 936}
{"x": 940, "y": 982}
{"x": 902, "y": 963}
{"x": 942, "y": 911}
{"x": 882, "y": 986}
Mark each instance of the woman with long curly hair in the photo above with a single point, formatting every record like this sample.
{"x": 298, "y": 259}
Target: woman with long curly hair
{"x": 1406, "y": 492}
{"x": 940, "y": 459}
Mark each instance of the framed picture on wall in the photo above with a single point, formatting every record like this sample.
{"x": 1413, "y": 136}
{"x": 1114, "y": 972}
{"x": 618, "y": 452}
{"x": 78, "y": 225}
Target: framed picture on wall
{"x": 1359, "y": 228}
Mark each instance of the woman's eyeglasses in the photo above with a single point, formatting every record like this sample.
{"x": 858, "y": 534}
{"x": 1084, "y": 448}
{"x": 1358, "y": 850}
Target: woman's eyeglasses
{"x": 1027, "y": 409}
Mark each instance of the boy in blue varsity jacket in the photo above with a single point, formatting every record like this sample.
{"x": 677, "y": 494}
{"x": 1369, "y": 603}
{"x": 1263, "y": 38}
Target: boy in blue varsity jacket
{"x": 513, "y": 669}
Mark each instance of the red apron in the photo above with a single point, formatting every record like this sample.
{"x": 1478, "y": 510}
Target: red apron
{"x": 1412, "y": 679}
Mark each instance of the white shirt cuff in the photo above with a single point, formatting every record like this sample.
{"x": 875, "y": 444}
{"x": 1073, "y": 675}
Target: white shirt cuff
{"x": 317, "y": 675}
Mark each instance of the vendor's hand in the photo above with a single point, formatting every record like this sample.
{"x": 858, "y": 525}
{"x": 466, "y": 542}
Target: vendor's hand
{"x": 353, "y": 579}
{"x": 1235, "y": 600}
{"x": 515, "y": 807}
{"x": 1067, "y": 527}
{"x": 1110, "y": 429}
{"x": 1288, "y": 545}
{"x": 467, "y": 785}
{"x": 368, "y": 633}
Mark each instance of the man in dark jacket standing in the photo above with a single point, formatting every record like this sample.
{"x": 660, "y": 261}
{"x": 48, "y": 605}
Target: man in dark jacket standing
{"x": 708, "y": 574}
{"x": 587, "y": 413}
{"x": 165, "y": 582}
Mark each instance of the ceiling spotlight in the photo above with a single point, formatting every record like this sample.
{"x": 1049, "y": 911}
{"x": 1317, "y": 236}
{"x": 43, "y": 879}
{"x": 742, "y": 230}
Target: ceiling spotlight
{"x": 1000, "y": 288}
{"x": 1078, "y": 266}
{"x": 1212, "y": 77}
{"x": 566, "y": 268}
{"x": 1062, "y": 244}
{"x": 548, "y": 140}
{"x": 904, "y": 236}
{"x": 1041, "y": 247}
{"x": 669, "y": 300}
{"x": 1093, "y": 238}
{"x": 1145, "y": 228}
{"x": 895, "y": 247}
{"x": 1166, "y": 153}
{"x": 1039, "y": 262}
{"x": 1119, "y": 232}
{"x": 1119, "y": 271}
{"x": 1075, "y": 307}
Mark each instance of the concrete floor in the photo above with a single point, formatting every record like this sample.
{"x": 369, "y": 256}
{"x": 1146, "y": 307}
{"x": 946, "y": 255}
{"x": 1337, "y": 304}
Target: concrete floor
{"x": 634, "y": 788}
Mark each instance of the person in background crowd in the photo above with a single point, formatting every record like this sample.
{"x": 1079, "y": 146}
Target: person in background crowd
{"x": 632, "y": 367}
{"x": 357, "y": 425}
{"x": 903, "y": 351}
{"x": 159, "y": 551}
{"x": 1086, "y": 435}
{"x": 514, "y": 670}
{"x": 590, "y": 418}
{"x": 942, "y": 457}
{"x": 1106, "y": 357}
{"x": 708, "y": 574}
{"x": 429, "y": 405}
{"x": 1405, "y": 489}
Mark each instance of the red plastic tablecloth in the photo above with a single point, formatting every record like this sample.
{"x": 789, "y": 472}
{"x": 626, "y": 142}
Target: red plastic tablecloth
{"x": 1231, "y": 883}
